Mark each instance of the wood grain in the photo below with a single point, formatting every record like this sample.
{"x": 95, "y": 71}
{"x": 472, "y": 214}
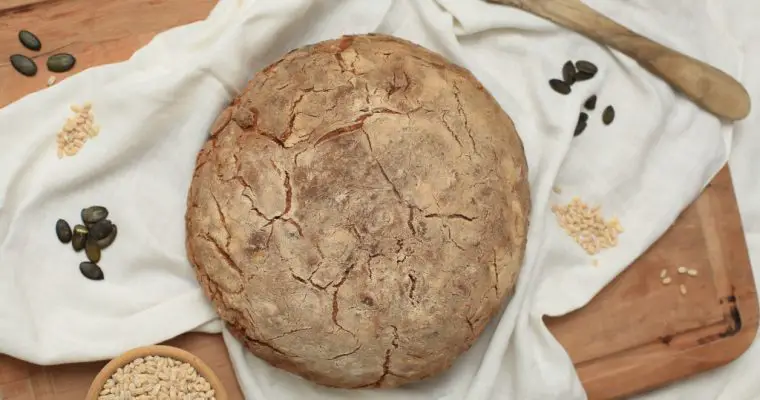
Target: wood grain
{"x": 710, "y": 88}
{"x": 635, "y": 335}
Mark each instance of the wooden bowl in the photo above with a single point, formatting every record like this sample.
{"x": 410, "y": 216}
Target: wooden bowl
{"x": 156, "y": 350}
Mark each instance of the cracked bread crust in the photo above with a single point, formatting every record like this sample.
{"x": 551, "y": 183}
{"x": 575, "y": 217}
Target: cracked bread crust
{"x": 359, "y": 212}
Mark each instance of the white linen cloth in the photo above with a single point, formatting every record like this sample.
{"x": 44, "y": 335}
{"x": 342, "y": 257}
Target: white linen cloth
{"x": 155, "y": 110}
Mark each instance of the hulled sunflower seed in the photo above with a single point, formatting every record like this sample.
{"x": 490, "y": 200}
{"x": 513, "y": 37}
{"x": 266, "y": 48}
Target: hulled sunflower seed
{"x": 559, "y": 86}
{"x": 590, "y": 103}
{"x": 93, "y": 214}
{"x": 106, "y": 241}
{"x": 29, "y": 40}
{"x": 63, "y": 231}
{"x": 24, "y": 65}
{"x": 92, "y": 251}
{"x": 608, "y": 115}
{"x": 91, "y": 271}
{"x": 61, "y": 62}
{"x": 568, "y": 72}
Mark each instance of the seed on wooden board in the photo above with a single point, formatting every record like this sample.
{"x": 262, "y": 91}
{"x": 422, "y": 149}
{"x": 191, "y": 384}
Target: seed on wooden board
{"x": 608, "y": 115}
{"x": 663, "y": 273}
{"x": 587, "y": 67}
{"x": 51, "y": 81}
{"x": 24, "y": 65}
{"x": 568, "y": 72}
{"x": 682, "y": 270}
{"x": 683, "y": 289}
{"x": 63, "y": 231}
{"x": 101, "y": 229}
{"x": 590, "y": 103}
{"x": 61, "y": 62}
{"x": 91, "y": 271}
{"x": 106, "y": 241}
{"x": 580, "y": 127}
{"x": 29, "y": 40}
{"x": 93, "y": 214}
{"x": 78, "y": 240}
{"x": 692, "y": 272}
{"x": 666, "y": 280}
{"x": 92, "y": 251}
{"x": 559, "y": 86}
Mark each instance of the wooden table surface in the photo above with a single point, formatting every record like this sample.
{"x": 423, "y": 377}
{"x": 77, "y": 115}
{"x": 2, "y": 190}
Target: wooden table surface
{"x": 635, "y": 335}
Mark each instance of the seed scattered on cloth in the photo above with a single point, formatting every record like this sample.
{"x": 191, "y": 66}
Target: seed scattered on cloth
{"x": 590, "y": 103}
{"x": 587, "y": 67}
{"x": 587, "y": 226}
{"x": 608, "y": 115}
{"x": 156, "y": 377}
{"x": 557, "y": 189}
{"x": 559, "y": 86}
{"x": 93, "y": 235}
{"x": 568, "y": 72}
{"x": 91, "y": 271}
{"x": 77, "y": 130}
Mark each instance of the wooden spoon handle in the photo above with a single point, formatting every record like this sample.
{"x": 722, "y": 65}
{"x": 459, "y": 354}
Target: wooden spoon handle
{"x": 709, "y": 87}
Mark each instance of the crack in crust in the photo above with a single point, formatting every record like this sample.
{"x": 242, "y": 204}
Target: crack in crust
{"x": 339, "y": 230}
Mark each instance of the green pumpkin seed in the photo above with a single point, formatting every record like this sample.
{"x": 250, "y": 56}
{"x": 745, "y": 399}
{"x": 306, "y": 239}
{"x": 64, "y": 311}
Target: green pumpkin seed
{"x": 559, "y": 86}
{"x": 590, "y": 104}
{"x": 101, "y": 229}
{"x": 91, "y": 215}
{"x": 91, "y": 271}
{"x": 61, "y": 62}
{"x": 608, "y": 115}
{"x": 29, "y": 40}
{"x": 92, "y": 251}
{"x": 106, "y": 241}
{"x": 63, "y": 231}
{"x": 24, "y": 65}
{"x": 568, "y": 72}
{"x": 78, "y": 240}
{"x": 587, "y": 67}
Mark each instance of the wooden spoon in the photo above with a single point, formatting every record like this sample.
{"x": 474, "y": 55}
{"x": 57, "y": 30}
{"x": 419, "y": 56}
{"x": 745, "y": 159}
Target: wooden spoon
{"x": 709, "y": 87}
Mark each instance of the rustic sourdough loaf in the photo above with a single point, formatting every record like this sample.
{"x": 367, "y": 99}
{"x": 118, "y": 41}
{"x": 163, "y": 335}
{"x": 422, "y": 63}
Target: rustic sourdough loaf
{"x": 359, "y": 212}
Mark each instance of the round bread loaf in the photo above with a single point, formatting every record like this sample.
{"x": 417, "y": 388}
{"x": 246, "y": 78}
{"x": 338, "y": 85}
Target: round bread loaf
{"x": 359, "y": 212}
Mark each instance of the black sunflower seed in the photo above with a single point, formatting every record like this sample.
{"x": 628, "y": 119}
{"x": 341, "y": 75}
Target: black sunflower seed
{"x": 559, "y": 86}
{"x": 106, "y": 241}
{"x": 583, "y": 76}
{"x": 100, "y": 230}
{"x": 608, "y": 115}
{"x": 580, "y": 127}
{"x": 587, "y": 67}
{"x": 590, "y": 104}
{"x": 91, "y": 271}
{"x": 63, "y": 231}
{"x": 91, "y": 215}
{"x": 583, "y": 117}
{"x": 29, "y": 40}
{"x": 24, "y": 65}
{"x": 61, "y": 62}
{"x": 568, "y": 72}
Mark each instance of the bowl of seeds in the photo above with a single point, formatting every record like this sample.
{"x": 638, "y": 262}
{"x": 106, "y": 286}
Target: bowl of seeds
{"x": 155, "y": 373}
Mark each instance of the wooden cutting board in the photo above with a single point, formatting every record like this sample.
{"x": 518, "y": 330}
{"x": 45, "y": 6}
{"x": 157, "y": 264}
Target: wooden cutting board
{"x": 635, "y": 335}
